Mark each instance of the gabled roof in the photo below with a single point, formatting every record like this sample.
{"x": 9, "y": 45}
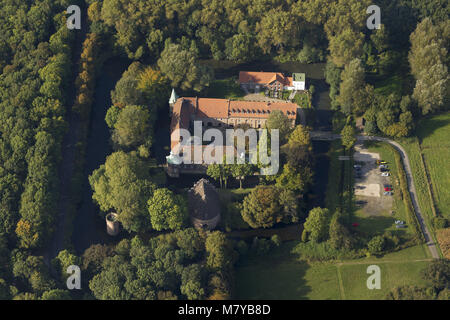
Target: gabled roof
{"x": 263, "y": 78}
{"x": 207, "y": 108}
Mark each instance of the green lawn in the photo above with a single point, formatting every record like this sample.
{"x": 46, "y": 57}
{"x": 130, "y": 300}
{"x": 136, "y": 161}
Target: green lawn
{"x": 282, "y": 275}
{"x": 332, "y": 197}
{"x": 433, "y": 140}
{"x": 434, "y": 134}
{"x": 302, "y": 99}
{"x": 231, "y": 217}
{"x": 386, "y": 85}
{"x": 224, "y": 89}
{"x": 393, "y": 274}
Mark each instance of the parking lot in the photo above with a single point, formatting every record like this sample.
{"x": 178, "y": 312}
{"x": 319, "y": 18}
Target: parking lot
{"x": 369, "y": 184}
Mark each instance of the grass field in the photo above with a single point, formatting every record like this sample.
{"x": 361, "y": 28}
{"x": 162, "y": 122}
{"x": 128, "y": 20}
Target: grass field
{"x": 386, "y": 86}
{"x": 224, "y": 89}
{"x": 332, "y": 198}
{"x": 282, "y": 275}
{"x": 433, "y": 140}
{"x": 434, "y": 136}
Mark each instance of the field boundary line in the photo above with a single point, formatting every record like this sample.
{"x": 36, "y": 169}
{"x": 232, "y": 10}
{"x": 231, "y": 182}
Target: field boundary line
{"x": 340, "y": 282}
{"x": 385, "y": 261}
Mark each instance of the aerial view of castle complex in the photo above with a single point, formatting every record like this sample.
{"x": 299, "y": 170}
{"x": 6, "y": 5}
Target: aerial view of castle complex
{"x": 241, "y": 151}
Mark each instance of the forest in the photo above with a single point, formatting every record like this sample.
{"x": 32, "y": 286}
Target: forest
{"x": 166, "y": 41}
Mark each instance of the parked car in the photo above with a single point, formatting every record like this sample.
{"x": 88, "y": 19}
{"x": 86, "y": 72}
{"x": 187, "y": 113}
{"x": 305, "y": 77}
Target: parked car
{"x": 387, "y": 193}
{"x": 360, "y": 202}
{"x": 398, "y": 226}
{"x": 385, "y": 174}
{"x": 357, "y": 166}
{"x": 399, "y": 222}
{"x": 383, "y": 166}
{"x": 387, "y": 189}
{"x": 383, "y": 170}
{"x": 380, "y": 162}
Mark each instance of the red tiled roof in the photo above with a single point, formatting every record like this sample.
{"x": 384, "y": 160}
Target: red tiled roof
{"x": 263, "y": 78}
{"x": 224, "y": 109}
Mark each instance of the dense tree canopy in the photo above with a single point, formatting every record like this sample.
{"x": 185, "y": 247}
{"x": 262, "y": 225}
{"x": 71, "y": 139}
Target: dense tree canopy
{"x": 180, "y": 66}
{"x": 429, "y": 65}
{"x": 123, "y": 184}
{"x": 133, "y": 127}
{"x": 167, "y": 210}
{"x": 266, "y": 206}
{"x": 168, "y": 266}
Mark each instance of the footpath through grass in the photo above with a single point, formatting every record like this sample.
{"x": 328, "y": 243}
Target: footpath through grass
{"x": 283, "y": 275}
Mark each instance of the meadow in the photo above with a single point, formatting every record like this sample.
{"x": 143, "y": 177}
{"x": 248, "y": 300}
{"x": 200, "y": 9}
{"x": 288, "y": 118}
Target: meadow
{"x": 284, "y": 275}
{"x": 434, "y": 137}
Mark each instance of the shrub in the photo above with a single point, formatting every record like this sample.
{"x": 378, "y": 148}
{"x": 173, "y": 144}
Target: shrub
{"x": 276, "y": 240}
{"x": 376, "y": 244}
{"x": 440, "y": 223}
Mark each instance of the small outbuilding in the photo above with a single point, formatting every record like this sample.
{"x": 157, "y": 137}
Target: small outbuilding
{"x": 204, "y": 205}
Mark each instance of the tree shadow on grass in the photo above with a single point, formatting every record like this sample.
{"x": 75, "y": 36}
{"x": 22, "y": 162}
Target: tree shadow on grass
{"x": 428, "y": 126}
{"x": 373, "y": 225}
{"x": 277, "y": 275}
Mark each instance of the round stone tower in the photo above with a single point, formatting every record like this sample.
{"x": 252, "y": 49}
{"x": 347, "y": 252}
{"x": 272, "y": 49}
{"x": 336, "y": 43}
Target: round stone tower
{"x": 112, "y": 225}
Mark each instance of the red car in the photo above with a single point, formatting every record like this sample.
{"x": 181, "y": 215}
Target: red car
{"x": 387, "y": 189}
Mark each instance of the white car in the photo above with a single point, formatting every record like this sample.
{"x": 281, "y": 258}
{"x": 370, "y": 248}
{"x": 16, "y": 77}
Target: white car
{"x": 383, "y": 166}
{"x": 385, "y": 174}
